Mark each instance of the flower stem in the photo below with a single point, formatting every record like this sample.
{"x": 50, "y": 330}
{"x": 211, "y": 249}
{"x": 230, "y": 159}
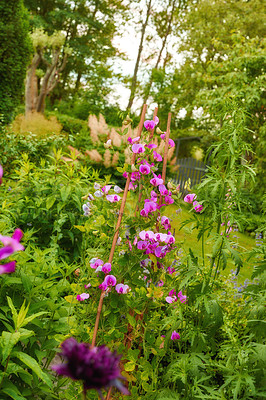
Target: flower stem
{"x": 84, "y": 393}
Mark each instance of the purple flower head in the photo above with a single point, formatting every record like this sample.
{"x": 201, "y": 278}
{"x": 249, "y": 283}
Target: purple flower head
{"x": 156, "y": 180}
{"x": 113, "y": 198}
{"x": 138, "y": 148}
{"x": 97, "y": 367}
{"x": 106, "y": 268}
{"x": 168, "y": 200}
{"x": 175, "y": 336}
{"x": 13, "y": 241}
{"x": 151, "y": 146}
{"x": 171, "y": 143}
{"x": 144, "y": 169}
{"x": 189, "y": 198}
{"x": 121, "y": 288}
{"x": 149, "y": 125}
{"x": 146, "y": 235}
{"x": 8, "y": 268}
{"x": 142, "y": 245}
{"x": 83, "y": 296}
{"x": 110, "y": 280}
{"x": 157, "y": 156}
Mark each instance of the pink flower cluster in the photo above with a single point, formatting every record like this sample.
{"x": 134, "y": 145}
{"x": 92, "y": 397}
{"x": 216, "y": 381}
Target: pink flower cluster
{"x": 150, "y": 243}
{"x": 173, "y": 298}
{"x": 11, "y": 245}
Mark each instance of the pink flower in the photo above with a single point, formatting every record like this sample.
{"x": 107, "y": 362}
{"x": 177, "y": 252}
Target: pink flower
{"x": 156, "y": 120}
{"x": 172, "y": 292}
{"x": 189, "y": 198}
{"x": 182, "y": 297}
{"x": 142, "y": 245}
{"x": 171, "y": 299}
{"x": 138, "y": 148}
{"x": 8, "y": 268}
{"x": 175, "y": 336}
{"x": 163, "y": 190}
{"x": 146, "y": 235}
{"x": 149, "y": 125}
{"x": 151, "y": 146}
{"x": 130, "y": 140}
{"x": 162, "y": 136}
{"x": 83, "y": 296}
{"x": 87, "y": 286}
{"x": 110, "y": 280}
{"x": 13, "y": 241}
{"x": 156, "y": 180}
{"x": 96, "y": 263}
{"x": 157, "y": 156}
{"x": 106, "y": 268}
{"x": 106, "y": 189}
{"x": 160, "y": 283}
{"x": 125, "y": 174}
{"x": 113, "y": 198}
{"x": 144, "y": 169}
{"x": 121, "y": 288}
{"x": 132, "y": 187}
{"x": 118, "y": 189}
{"x": 197, "y": 207}
{"x": 168, "y": 200}
{"x": 103, "y": 286}
{"x": 171, "y": 143}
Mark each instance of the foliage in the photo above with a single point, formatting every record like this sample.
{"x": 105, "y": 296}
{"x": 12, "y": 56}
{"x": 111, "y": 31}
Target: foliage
{"x": 14, "y": 55}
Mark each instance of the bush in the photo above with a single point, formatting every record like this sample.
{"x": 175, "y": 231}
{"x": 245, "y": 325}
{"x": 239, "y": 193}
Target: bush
{"x": 69, "y": 124}
{"x": 37, "y": 124}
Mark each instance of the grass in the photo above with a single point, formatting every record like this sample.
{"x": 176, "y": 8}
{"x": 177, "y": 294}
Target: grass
{"x": 186, "y": 238}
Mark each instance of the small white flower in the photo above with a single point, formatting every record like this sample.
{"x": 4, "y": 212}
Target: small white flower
{"x": 98, "y": 193}
{"x": 96, "y": 186}
{"x": 90, "y": 197}
{"x": 119, "y": 240}
{"x": 108, "y": 144}
{"x": 122, "y": 252}
{"x": 197, "y": 112}
{"x": 92, "y": 261}
{"x": 99, "y": 269}
{"x": 181, "y": 113}
{"x": 117, "y": 189}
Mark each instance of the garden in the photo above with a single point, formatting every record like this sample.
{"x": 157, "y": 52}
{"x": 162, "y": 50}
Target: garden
{"x": 119, "y": 281}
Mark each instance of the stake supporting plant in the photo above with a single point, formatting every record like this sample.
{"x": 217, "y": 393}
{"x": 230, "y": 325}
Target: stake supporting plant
{"x": 117, "y": 230}
{"x": 165, "y": 152}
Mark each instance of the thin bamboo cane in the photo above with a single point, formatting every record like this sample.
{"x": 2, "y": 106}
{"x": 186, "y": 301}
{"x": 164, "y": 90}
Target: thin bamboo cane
{"x": 117, "y": 230}
{"x": 165, "y": 152}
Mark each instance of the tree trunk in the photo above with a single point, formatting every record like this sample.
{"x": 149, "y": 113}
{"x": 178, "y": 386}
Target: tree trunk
{"x": 134, "y": 78}
{"x": 31, "y": 86}
{"x": 167, "y": 33}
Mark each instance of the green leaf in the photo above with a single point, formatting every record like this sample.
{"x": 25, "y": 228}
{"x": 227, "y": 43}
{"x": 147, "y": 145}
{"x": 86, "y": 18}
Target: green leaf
{"x": 50, "y": 202}
{"x": 9, "y": 340}
{"x": 131, "y": 320}
{"x": 13, "y": 310}
{"x": 32, "y": 363}
{"x": 33, "y": 316}
{"x": 65, "y": 192}
{"x": 13, "y": 394}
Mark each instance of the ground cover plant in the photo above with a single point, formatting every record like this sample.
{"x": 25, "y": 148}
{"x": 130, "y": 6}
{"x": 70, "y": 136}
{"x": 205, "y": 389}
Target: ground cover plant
{"x": 99, "y": 270}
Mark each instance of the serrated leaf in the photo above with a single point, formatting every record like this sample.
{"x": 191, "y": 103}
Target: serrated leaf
{"x": 13, "y": 310}
{"x": 32, "y": 363}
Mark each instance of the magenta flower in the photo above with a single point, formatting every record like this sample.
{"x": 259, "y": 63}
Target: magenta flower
{"x": 171, "y": 299}
{"x": 96, "y": 263}
{"x": 113, "y": 198}
{"x": 106, "y": 189}
{"x": 175, "y": 336}
{"x": 121, "y": 288}
{"x": 83, "y": 296}
{"x": 163, "y": 190}
{"x": 96, "y": 367}
{"x": 146, "y": 235}
{"x": 170, "y": 142}
{"x": 138, "y": 148}
{"x": 125, "y": 174}
{"x": 156, "y": 180}
{"x": 13, "y": 241}
{"x": 169, "y": 200}
{"x": 142, "y": 245}
{"x": 149, "y": 125}
{"x": 106, "y": 268}
{"x": 157, "y": 156}
{"x": 144, "y": 169}
{"x": 197, "y": 207}
{"x": 182, "y": 297}
{"x": 160, "y": 283}
{"x": 1, "y": 174}
{"x": 151, "y": 146}
{"x": 110, "y": 280}
{"x": 132, "y": 187}
{"x": 189, "y": 198}
{"x": 8, "y": 268}
{"x": 130, "y": 140}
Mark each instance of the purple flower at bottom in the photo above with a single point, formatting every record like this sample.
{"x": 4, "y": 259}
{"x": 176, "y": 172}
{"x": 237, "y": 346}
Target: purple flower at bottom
{"x": 83, "y": 296}
{"x": 175, "y": 336}
{"x": 97, "y": 367}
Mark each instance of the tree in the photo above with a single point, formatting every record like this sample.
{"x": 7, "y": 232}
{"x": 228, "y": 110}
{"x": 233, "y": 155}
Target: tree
{"x": 15, "y": 50}
{"x": 48, "y": 51}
